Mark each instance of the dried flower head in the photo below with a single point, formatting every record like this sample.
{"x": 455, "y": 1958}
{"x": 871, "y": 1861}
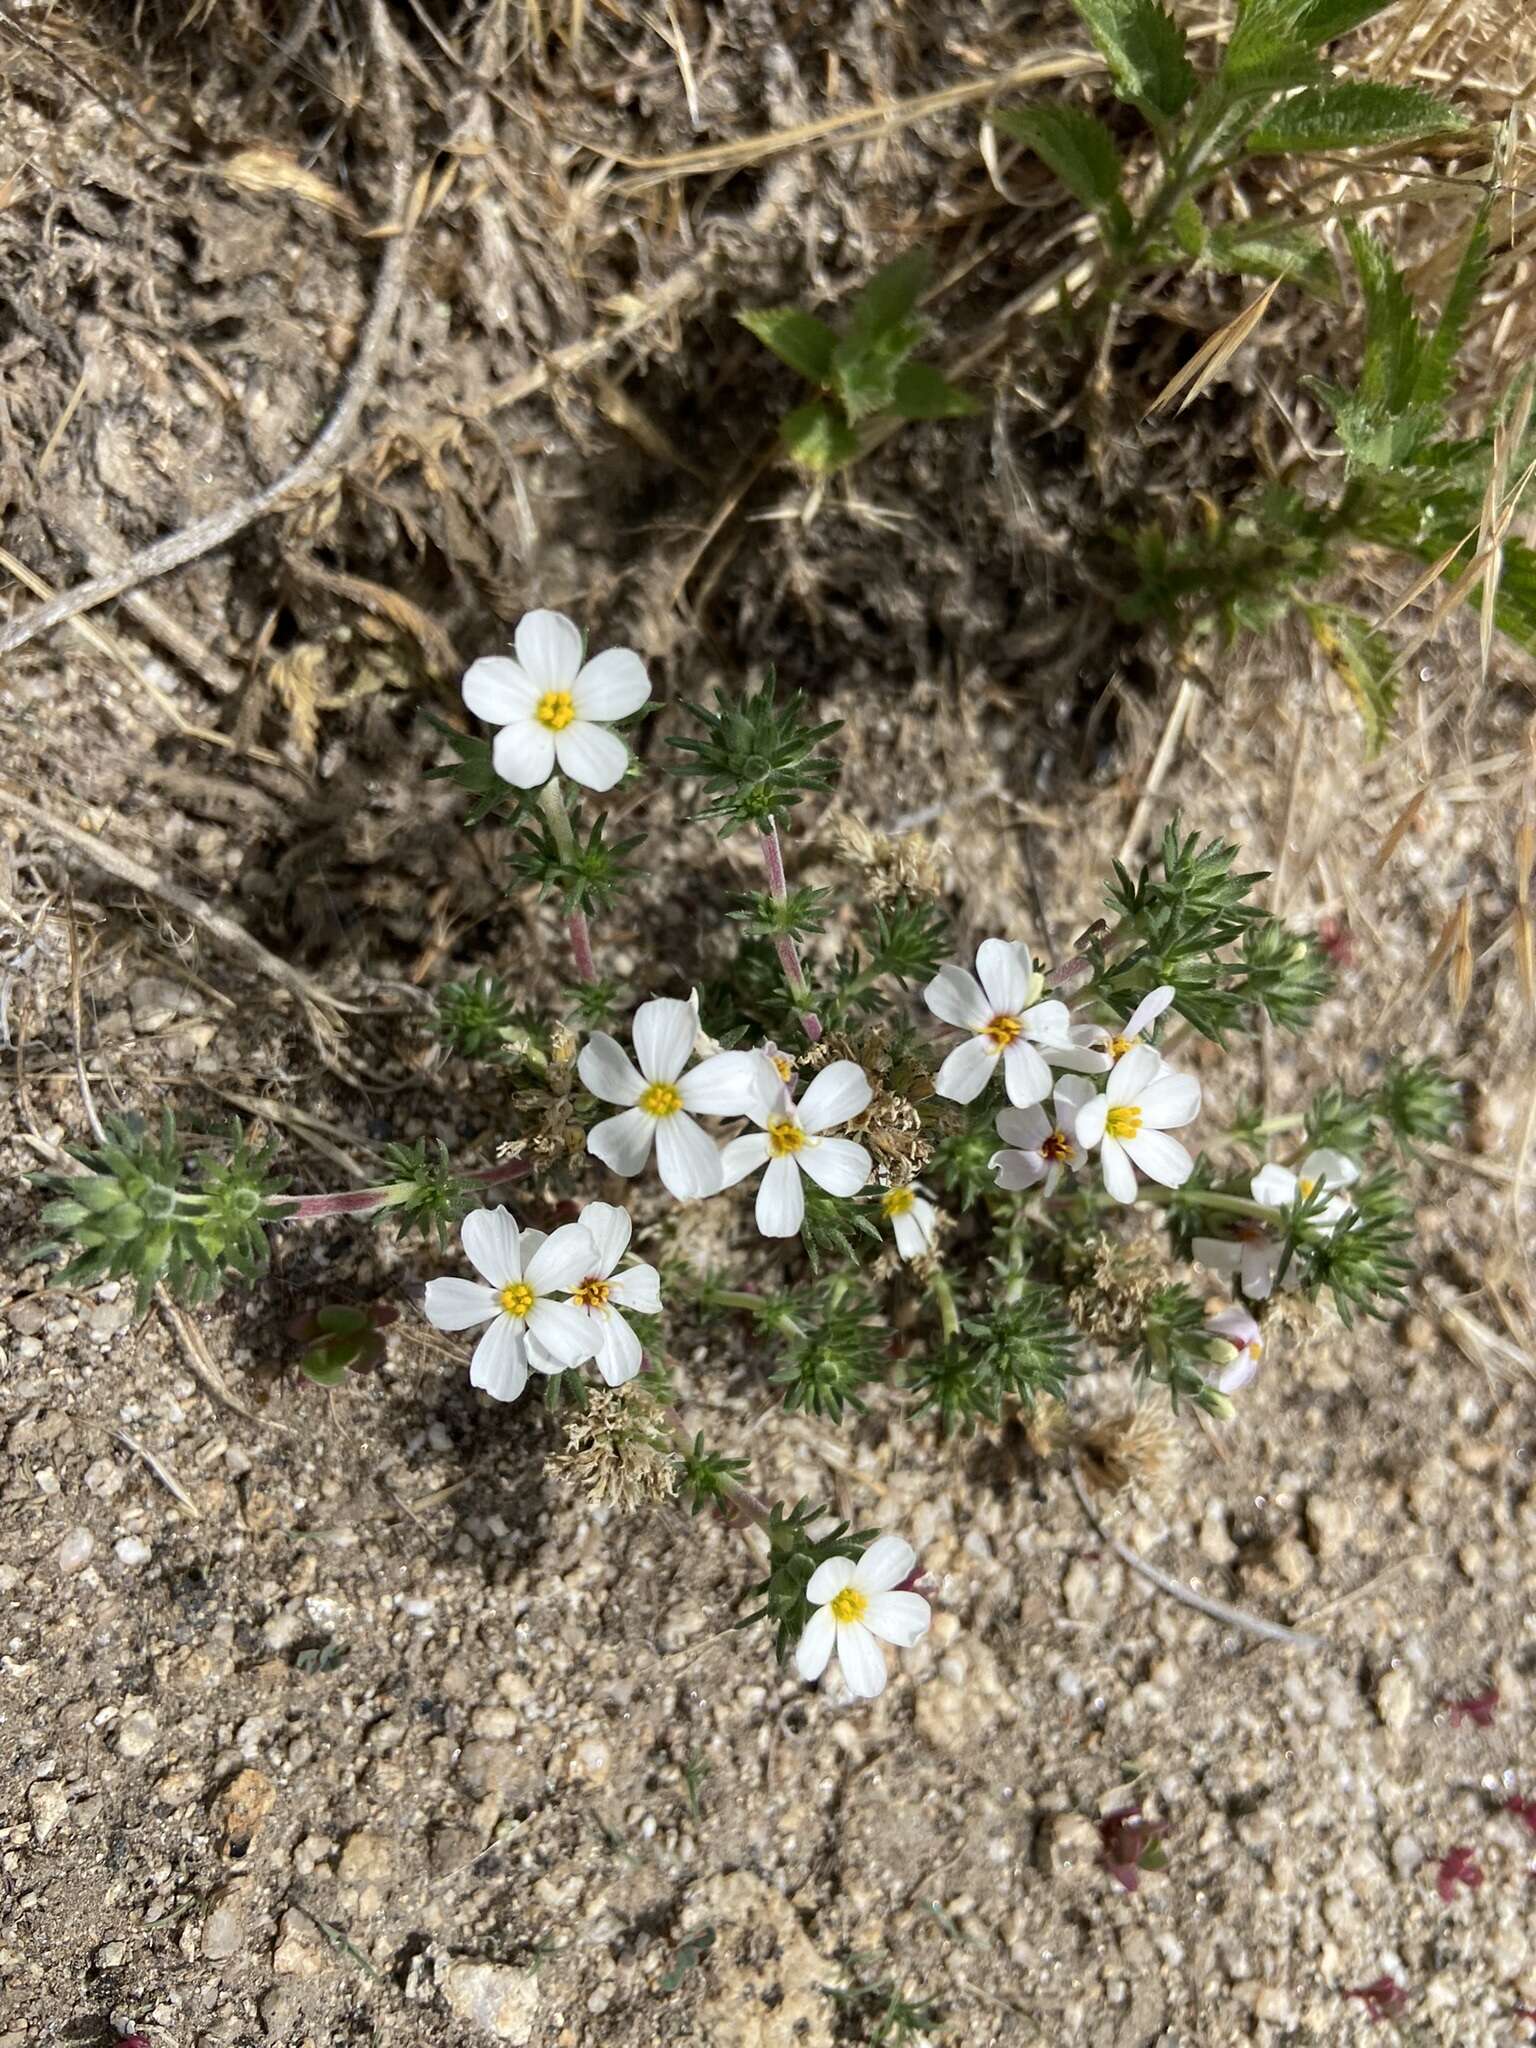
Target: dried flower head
{"x": 1113, "y": 1280}
{"x": 893, "y": 1131}
{"x": 1136, "y": 1450}
{"x": 892, "y": 867}
{"x": 617, "y": 1453}
{"x": 1048, "y": 1426}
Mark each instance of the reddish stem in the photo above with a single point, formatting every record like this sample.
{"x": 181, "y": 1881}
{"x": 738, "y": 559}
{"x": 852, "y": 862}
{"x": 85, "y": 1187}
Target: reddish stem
{"x": 581, "y": 945}
{"x": 363, "y": 1201}
{"x": 789, "y": 958}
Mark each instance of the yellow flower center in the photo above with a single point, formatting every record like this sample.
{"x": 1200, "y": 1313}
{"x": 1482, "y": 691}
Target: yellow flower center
{"x": 850, "y": 1605}
{"x": 1256, "y": 1347}
{"x": 592, "y": 1293}
{"x": 660, "y": 1099}
{"x": 1119, "y": 1047}
{"x": 556, "y": 709}
{"x": 1307, "y": 1188}
{"x": 516, "y": 1298}
{"x": 1123, "y": 1122}
{"x": 897, "y": 1203}
{"x": 785, "y": 1137}
{"x": 1057, "y": 1146}
{"x": 785, "y": 1065}
{"x": 1002, "y": 1031}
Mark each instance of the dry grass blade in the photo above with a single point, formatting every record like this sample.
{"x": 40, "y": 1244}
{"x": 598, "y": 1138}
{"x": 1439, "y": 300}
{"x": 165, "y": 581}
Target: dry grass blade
{"x": 1460, "y": 976}
{"x": 263, "y": 169}
{"x": 1487, "y": 1348}
{"x": 442, "y": 655}
{"x": 1212, "y": 357}
{"x": 1401, "y": 827}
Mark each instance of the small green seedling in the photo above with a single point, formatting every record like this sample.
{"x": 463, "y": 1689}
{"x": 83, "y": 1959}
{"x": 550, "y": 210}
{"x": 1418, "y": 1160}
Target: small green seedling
{"x": 338, "y": 1340}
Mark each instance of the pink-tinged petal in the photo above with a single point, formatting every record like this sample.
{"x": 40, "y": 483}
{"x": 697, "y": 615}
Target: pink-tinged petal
{"x": 815, "y": 1646}
{"x": 623, "y": 1143}
{"x": 955, "y": 997}
{"x": 730, "y": 1084}
{"x": 1171, "y": 1100}
{"x": 1005, "y": 980}
{"x": 523, "y": 753}
{"x": 563, "y": 1260}
{"x": 837, "y": 1093}
{"x": 829, "y": 1579}
{"x": 1275, "y": 1186}
{"x": 741, "y": 1157}
{"x": 1220, "y": 1254}
{"x": 637, "y": 1287}
{"x": 1147, "y": 1011}
{"x": 861, "y": 1658}
{"x": 780, "y": 1199}
{"x": 1160, "y": 1157}
{"x": 608, "y": 1072}
{"x": 664, "y": 1031}
{"x": 1027, "y": 1129}
{"x": 837, "y": 1165}
{"x": 459, "y": 1304}
{"x": 887, "y": 1561}
{"x": 1025, "y": 1075}
{"x": 591, "y": 755}
{"x": 500, "y": 1364}
{"x": 612, "y": 684}
{"x": 1017, "y": 1171}
{"x": 687, "y": 1160}
{"x": 1089, "y": 1127}
{"x": 619, "y": 1356}
{"x": 1133, "y": 1073}
{"x": 496, "y": 689}
{"x": 1119, "y": 1174}
{"x": 1236, "y": 1325}
{"x": 490, "y": 1241}
{"x": 566, "y": 1333}
{"x": 549, "y": 648}
{"x": 967, "y": 1071}
{"x": 899, "y": 1618}
{"x": 609, "y": 1228}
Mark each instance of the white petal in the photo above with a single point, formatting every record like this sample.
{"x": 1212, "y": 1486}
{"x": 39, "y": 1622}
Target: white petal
{"x": 1221, "y": 1254}
{"x": 1173, "y": 1099}
{"x": 1047, "y": 1022}
{"x": 496, "y": 689}
{"x": 829, "y": 1579}
{"x": 623, "y": 1142}
{"x": 491, "y": 1245}
{"x": 1004, "y": 978}
{"x": 563, "y": 1260}
{"x": 687, "y": 1160}
{"x": 1236, "y": 1376}
{"x": 1134, "y": 1072}
{"x": 1017, "y": 1171}
{"x": 887, "y": 1561}
{"x": 1147, "y": 1011}
{"x": 523, "y": 753}
{"x": 861, "y": 1658}
{"x": 741, "y": 1157}
{"x": 500, "y": 1364}
{"x": 608, "y": 1072}
{"x": 955, "y": 997}
{"x": 663, "y": 1033}
{"x": 1331, "y": 1168}
{"x": 1076, "y": 1057}
{"x": 1259, "y": 1264}
{"x": 1119, "y": 1175}
{"x": 1160, "y": 1157}
{"x": 619, "y": 1356}
{"x": 637, "y": 1287}
{"x": 612, "y": 684}
{"x": 837, "y": 1093}
{"x": 838, "y": 1165}
{"x": 565, "y": 1332}
{"x": 1025, "y": 1075}
{"x": 1028, "y": 1128}
{"x": 591, "y": 755}
{"x": 1089, "y": 1127}
{"x": 1071, "y": 1092}
{"x": 967, "y": 1071}
{"x": 549, "y": 648}
{"x": 532, "y": 1239}
{"x": 780, "y": 1199}
{"x": 729, "y": 1084}
{"x": 459, "y": 1304}
{"x": 1275, "y": 1186}
{"x": 912, "y": 1237}
{"x": 899, "y": 1618}
{"x": 815, "y": 1646}
{"x": 609, "y": 1229}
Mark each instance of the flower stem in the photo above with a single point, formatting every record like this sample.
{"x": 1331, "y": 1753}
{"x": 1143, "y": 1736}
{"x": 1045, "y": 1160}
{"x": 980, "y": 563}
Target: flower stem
{"x": 552, "y": 804}
{"x": 789, "y": 958}
{"x": 364, "y": 1201}
{"x": 747, "y": 1504}
{"x": 1208, "y": 1198}
{"x": 944, "y": 1295}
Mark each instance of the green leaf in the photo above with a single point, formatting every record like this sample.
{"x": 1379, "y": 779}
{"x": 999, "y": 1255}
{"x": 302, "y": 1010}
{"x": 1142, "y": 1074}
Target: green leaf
{"x": 888, "y": 299}
{"x": 818, "y": 439}
{"x": 1394, "y": 343}
{"x": 1364, "y": 660}
{"x": 1268, "y": 31}
{"x": 1433, "y": 382}
{"x": 1188, "y": 224}
{"x": 796, "y": 338}
{"x": 1144, "y": 48}
{"x": 1282, "y": 250}
{"x": 1076, "y": 146}
{"x": 1354, "y": 114}
{"x": 865, "y": 367}
{"x": 924, "y": 393}
{"x": 1319, "y": 21}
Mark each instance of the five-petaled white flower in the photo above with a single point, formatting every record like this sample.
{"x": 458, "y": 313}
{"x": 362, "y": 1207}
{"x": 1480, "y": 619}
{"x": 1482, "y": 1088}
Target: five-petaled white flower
{"x": 602, "y": 1291}
{"x": 858, "y": 1608}
{"x": 659, "y": 1098}
{"x": 792, "y": 1136}
{"x": 1236, "y": 1348}
{"x": 520, "y": 1273}
{"x": 1251, "y": 1254}
{"x": 913, "y": 1218}
{"x": 1000, "y": 1007}
{"x": 1043, "y": 1148}
{"x": 551, "y": 705}
{"x": 1117, "y": 1040}
{"x": 1142, "y": 1101}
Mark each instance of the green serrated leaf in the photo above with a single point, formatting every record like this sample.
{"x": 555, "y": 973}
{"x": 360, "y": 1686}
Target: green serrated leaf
{"x": 1268, "y": 33}
{"x": 1144, "y": 48}
{"x": 1188, "y": 225}
{"x": 1438, "y": 361}
{"x": 923, "y": 393}
{"x": 1319, "y": 21}
{"x": 1394, "y": 343}
{"x": 1251, "y": 250}
{"x": 865, "y": 367}
{"x": 1353, "y": 114}
{"x": 1076, "y": 146}
{"x": 1363, "y": 659}
{"x": 796, "y": 338}
{"x": 818, "y": 439}
{"x": 889, "y": 298}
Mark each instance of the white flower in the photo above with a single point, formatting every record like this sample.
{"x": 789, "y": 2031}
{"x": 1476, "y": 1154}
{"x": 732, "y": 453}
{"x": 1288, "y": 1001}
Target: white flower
{"x": 549, "y": 704}
{"x": 793, "y": 1138}
{"x": 855, "y": 1604}
{"x": 1007, "y": 1021}
{"x": 1117, "y": 1040}
{"x": 520, "y": 1271}
{"x": 602, "y": 1291}
{"x": 1142, "y": 1101}
{"x": 1236, "y": 1348}
{"x": 1045, "y": 1147}
{"x": 657, "y": 1100}
{"x": 913, "y": 1218}
{"x": 1251, "y": 1254}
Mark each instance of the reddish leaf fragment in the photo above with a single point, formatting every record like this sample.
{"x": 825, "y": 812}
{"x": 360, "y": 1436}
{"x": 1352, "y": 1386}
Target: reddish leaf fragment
{"x": 1131, "y": 1844}
{"x": 1383, "y": 2000}
{"x": 1457, "y": 1866}
{"x": 1479, "y": 1709}
{"x": 1522, "y": 1809}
